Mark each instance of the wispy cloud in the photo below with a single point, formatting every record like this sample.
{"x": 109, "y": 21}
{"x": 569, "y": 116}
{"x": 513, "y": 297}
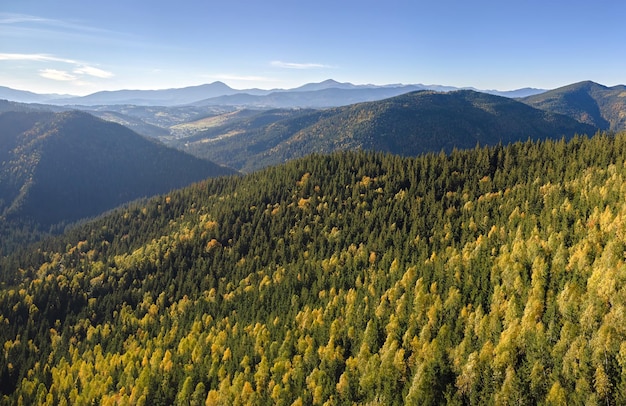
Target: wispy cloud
{"x": 10, "y": 18}
{"x": 59, "y": 75}
{"x": 31, "y": 21}
{"x": 95, "y": 72}
{"x": 47, "y": 32}
{"x": 294, "y": 65}
{"x": 35, "y": 58}
{"x": 79, "y": 69}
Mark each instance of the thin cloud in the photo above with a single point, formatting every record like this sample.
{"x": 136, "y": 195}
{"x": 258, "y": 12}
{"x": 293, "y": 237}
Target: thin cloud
{"x": 95, "y": 72}
{"x": 35, "y": 21}
{"x": 80, "y": 69}
{"x": 46, "y": 30}
{"x": 293, "y": 65}
{"x": 35, "y": 58}
{"x": 9, "y": 18}
{"x": 55, "y": 74}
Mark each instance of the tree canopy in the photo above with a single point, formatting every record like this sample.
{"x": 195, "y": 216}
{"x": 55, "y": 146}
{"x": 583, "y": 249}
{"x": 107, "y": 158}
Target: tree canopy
{"x": 494, "y": 275}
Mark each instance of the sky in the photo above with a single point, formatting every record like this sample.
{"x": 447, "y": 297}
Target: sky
{"x": 82, "y": 46}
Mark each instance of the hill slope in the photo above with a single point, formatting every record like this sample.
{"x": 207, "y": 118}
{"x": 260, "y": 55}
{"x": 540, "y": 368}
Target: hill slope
{"x": 588, "y": 102}
{"x": 408, "y": 124}
{"x": 490, "y": 276}
{"x": 61, "y": 167}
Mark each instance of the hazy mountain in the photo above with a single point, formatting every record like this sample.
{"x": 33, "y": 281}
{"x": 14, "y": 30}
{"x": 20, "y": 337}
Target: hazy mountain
{"x": 588, "y": 102}
{"x": 331, "y": 93}
{"x": 327, "y": 84}
{"x": 165, "y": 97}
{"x": 524, "y": 92}
{"x": 24, "y": 96}
{"x": 333, "y": 84}
{"x": 61, "y": 167}
{"x": 213, "y": 94}
{"x": 408, "y": 124}
{"x": 321, "y": 98}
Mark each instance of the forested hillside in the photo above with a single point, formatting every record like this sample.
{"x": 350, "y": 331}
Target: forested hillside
{"x": 495, "y": 275}
{"x": 409, "y": 124}
{"x": 587, "y": 102}
{"x": 56, "y": 168}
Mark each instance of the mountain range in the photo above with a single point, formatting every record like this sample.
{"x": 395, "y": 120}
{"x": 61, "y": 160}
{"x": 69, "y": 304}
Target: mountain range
{"x": 23, "y": 96}
{"x": 333, "y": 94}
{"x": 409, "y": 124}
{"x": 42, "y": 144}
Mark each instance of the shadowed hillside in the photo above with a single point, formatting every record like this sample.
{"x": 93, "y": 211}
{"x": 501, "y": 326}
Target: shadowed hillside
{"x": 61, "y": 167}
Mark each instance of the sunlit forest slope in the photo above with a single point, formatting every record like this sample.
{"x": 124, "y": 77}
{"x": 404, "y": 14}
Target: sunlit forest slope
{"x": 488, "y": 276}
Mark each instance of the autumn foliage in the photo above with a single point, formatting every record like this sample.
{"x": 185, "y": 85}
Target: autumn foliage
{"x": 488, "y": 276}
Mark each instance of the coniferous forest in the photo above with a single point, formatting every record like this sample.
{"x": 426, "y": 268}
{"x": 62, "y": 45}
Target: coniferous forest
{"x": 495, "y": 275}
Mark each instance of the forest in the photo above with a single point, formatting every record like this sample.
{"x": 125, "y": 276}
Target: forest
{"x": 494, "y": 275}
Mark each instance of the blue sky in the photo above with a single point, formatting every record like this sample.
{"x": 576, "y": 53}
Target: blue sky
{"x": 80, "y": 46}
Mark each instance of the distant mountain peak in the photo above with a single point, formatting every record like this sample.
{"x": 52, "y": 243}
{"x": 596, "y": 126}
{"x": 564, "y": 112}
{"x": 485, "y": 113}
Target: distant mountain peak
{"x": 326, "y": 84}
{"x": 217, "y": 83}
{"x": 585, "y": 84}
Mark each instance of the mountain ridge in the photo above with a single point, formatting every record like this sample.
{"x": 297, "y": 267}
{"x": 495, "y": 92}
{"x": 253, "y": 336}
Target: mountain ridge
{"x": 408, "y": 124}
{"x": 193, "y": 94}
{"x": 587, "y": 102}
{"x": 172, "y": 96}
{"x": 25, "y": 96}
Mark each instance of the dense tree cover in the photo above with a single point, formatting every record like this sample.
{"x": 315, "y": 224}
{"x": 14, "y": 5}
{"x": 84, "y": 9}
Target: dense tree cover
{"x": 493, "y": 276}
{"x": 57, "y": 168}
{"x": 410, "y": 124}
{"x": 587, "y": 102}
